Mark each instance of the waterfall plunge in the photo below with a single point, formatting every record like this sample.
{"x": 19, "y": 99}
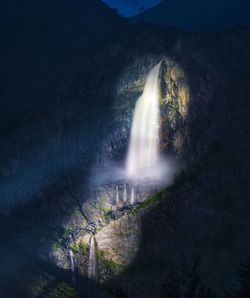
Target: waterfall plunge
{"x": 117, "y": 200}
{"x": 92, "y": 266}
{"x": 125, "y": 193}
{"x": 132, "y": 198}
{"x": 71, "y": 254}
{"x": 143, "y": 153}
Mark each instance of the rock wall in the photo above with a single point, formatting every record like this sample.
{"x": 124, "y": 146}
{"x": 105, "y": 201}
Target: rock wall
{"x": 81, "y": 121}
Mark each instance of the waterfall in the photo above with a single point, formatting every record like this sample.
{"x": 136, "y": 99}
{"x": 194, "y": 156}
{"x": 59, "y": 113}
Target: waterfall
{"x": 143, "y": 151}
{"x": 92, "y": 266}
{"x": 71, "y": 254}
{"x": 132, "y": 198}
{"x": 117, "y": 201}
{"x": 125, "y": 193}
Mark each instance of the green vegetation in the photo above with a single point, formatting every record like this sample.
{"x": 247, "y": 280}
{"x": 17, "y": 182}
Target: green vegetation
{"x": 106, "y": 212}
{"x": 67, "y": 232}
{"x": 57, "y": 245}
{"x": 79, "y": 247}
{"x": 75, "y": 247}
{"x": 158, "y": 197}
{"x": 59, "y": 240}
{"x": 109, "y": 265}
{"x": 149, "y": 202}
{"x": 105, "y": 209}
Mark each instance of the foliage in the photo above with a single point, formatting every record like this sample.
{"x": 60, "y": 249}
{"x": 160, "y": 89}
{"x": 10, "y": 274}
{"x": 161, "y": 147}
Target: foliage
{"x": 79, "y": 247}
{"x": 59, "y": 242}
{"x": 109, "y": 265}
{"x": 105, "y": 210}
{"x": 57, "y": 245}
{"x": 75, "y": 246}
{"x": 67, "y": 232}
{"x": 156, "y": 198}
{"x": 149, "y": 202}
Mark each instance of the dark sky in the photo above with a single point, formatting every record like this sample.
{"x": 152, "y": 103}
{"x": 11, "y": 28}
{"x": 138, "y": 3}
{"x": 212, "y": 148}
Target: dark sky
{"x": 130, "y": 7}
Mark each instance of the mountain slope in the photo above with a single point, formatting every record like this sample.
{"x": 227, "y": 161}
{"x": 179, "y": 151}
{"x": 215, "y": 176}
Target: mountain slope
{"x": 198, "y": 15}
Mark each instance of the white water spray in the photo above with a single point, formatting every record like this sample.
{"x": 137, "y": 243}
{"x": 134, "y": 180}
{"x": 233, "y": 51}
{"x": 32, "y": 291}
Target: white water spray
{"x": 125, "y": 193}
{"x": 117, "y": 201}
{"x": 143, "y": 152}
{"x": 71, "y": 254}
{"x": 92, "y": 266}
{"x": 132, "y": 198}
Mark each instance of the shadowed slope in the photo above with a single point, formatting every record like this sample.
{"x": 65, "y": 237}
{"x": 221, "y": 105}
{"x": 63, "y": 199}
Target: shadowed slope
{"x": 196, "y": 15}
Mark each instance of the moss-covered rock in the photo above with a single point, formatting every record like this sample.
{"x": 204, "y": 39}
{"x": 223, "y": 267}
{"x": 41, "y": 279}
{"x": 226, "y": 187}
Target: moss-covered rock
{"x": 107, "y": 267}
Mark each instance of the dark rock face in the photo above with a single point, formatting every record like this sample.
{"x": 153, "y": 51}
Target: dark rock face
{"x": 77, "y": 99}
{"x": 49, "y": 58}
{"x": 205, "y": 217}
{"x": 201, "y": 219}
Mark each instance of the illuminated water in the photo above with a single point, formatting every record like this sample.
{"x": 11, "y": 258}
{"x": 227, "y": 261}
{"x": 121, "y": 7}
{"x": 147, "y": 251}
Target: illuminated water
{"x": 143, "y": 153}
{"x": 92, "y": 266}
{"x": 117, "y": 201}
{"x": 71, "y": 254}
{"x": 132, "y": 198}
{"x": 125, "y": 193}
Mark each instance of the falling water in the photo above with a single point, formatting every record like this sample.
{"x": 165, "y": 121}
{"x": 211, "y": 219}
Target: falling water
{"x": 125, "y": 193}
{"x": 143, "y": 152}
{"x": 71, "y": 254}
{"x": 132, "y": 198}
{"x": 92, "y": 258}
{"x": 117, "y": 201}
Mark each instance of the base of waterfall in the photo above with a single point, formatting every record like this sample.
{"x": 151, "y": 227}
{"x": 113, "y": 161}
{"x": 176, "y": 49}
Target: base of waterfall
{"x": 126, "y": 190}
{"x": 161, "y": 173}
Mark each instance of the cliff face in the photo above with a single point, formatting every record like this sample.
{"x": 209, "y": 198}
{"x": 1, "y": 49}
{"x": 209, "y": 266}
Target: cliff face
{"x": 75, "y": 121}
{"x": 200, "y": 220}
{"x": 49, "y": 60}
{"x": 109, "y": 211}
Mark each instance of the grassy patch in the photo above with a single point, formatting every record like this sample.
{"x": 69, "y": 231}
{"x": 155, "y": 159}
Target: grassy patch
{"x": 105, "y": 209}
{"x": 79, "y": 247}
{"x": 109, "y": 265}
{"x": 156, "y": 198}
{"x": 149, "y": 202}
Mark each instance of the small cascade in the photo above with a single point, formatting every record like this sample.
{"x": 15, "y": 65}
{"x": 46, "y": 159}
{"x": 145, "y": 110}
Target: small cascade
{"x": 92, "y": 266}
{"x": 117, "y": 201}
{"x": 125, "y": 193}
{"x": 71, "y": 254}
{"x": 132, "y": 198}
